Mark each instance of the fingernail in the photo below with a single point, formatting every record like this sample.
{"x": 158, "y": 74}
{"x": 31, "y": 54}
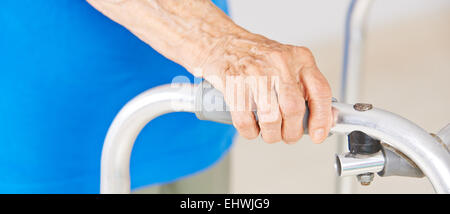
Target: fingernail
{"x": 318, "y": 134}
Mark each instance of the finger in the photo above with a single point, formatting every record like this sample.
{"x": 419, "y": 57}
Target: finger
{"x": 269, "y": 116}
{"x": 291, "y": 101}
{"x": 292, "y": 108}
{"x": 319, "y": 101}
{"x": 238, "y": 98}
{"x": 245, "y": 123}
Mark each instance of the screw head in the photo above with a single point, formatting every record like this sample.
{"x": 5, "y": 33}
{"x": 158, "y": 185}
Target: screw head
{"x": 362, "y": 106}
{"x": 365, "y": 179}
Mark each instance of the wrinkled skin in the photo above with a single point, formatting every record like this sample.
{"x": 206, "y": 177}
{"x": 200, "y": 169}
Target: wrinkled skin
{"x": 251, "y": 70}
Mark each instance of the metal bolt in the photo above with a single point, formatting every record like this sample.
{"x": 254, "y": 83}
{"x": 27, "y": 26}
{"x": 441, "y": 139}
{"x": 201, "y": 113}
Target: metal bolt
{"x": 365, "y": 179}
{"x": 362, "y": 106}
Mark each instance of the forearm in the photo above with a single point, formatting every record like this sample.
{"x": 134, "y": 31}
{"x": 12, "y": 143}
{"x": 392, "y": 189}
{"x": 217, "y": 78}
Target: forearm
{"x": 184, "y": 31}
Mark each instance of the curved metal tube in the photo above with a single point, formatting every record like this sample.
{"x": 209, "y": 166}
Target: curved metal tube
{"x": 417, "y": 144}
{"x": 116, "y": 154}
{"x": 355, "y": 27}
{"x": 355, "y": 164}
{"x": 428, "y": 154}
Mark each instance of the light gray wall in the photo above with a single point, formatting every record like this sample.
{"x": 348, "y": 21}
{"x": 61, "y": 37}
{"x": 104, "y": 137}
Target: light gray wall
{"x": 312, "y": 21}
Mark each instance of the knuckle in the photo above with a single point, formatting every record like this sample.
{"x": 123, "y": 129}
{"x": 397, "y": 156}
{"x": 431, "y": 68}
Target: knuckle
{"x": 322, "y": 93}
{"x": 270, "y": 121}
{"x": 306, "y": 56}
{"x": 250, "y": 135}
{"x": 243, "y": 123}
{"x": 277, "y": 54}
{"x": 280, "y": 56}
{"x": 321, "y": 89}
{"x": 302, "y": 50}
{"x": 271, "y": 138}
{"x": 292, "y": 107}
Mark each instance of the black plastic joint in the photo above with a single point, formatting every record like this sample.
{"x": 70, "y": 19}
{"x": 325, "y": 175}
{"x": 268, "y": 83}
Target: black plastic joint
{"x": 361, "y": 143}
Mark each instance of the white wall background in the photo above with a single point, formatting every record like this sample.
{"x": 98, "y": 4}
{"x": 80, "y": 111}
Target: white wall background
{"x": 306, "y": 22}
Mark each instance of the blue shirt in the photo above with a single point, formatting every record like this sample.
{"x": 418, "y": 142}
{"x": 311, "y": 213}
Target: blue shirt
{"x": 65, "y": 72}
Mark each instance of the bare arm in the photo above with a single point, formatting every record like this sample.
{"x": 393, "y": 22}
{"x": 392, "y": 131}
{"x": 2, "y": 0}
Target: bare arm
{"x": 200, "y": 37}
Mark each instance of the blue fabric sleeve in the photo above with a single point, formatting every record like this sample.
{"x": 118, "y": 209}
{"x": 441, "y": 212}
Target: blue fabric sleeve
{"x": 65, "y": 72}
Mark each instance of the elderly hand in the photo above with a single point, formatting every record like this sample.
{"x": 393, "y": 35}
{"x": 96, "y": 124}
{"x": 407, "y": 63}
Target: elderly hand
{"x": 251, "y": 70}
